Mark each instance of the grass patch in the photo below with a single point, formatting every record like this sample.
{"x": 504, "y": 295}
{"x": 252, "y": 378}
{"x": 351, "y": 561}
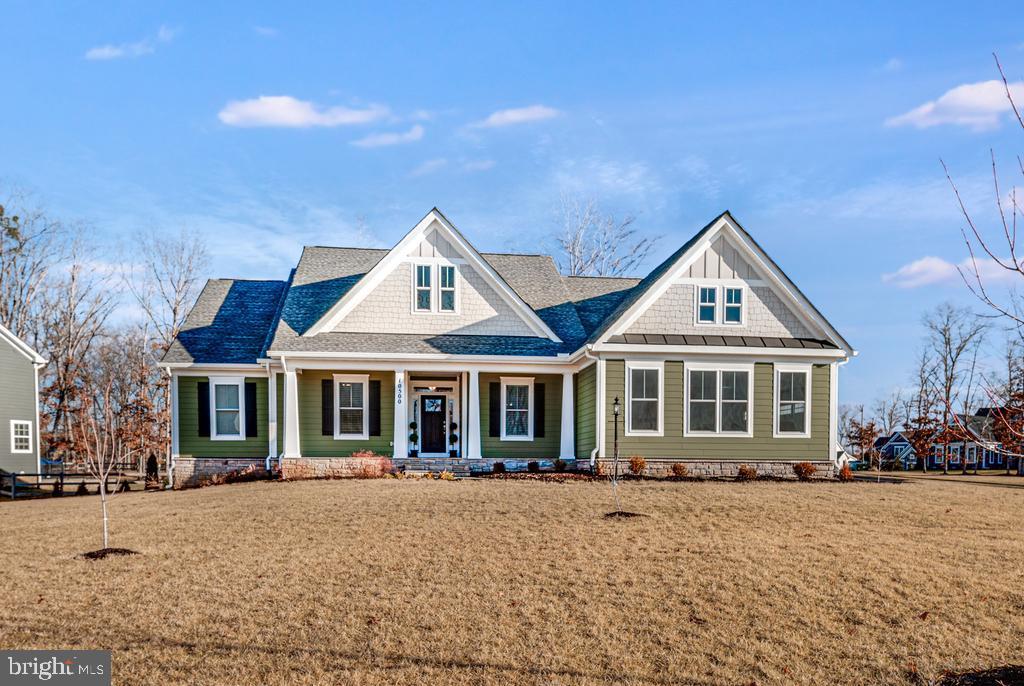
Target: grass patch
{"x": 495, "y": 582}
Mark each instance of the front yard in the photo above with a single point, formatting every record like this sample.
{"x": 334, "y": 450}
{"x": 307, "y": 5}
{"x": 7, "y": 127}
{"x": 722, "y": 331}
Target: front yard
{"x": 411, "y": 582}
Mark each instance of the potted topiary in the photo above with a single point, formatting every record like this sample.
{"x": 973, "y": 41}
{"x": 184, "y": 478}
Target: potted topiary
{"x": 453, "y": 439}
{"x": 413, "y": 440}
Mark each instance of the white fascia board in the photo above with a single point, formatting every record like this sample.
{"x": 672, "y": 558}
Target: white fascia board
{"x": 723, "y": 350}
{"x": 515, "y": 365}
{"x": 190, "y": 369}
{"x": 399, "y": 253}
{"x": 21, "y": 346}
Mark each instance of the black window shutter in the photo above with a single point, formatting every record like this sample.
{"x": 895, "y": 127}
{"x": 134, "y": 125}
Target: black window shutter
{"x": 495, "y": 406}
{"x": 538, "y": 410}
{"x": 250, "y": 409}
{"x": 374, "y": 407}
{"x": 327, "y": 407}
{"x": 203, "y": 403}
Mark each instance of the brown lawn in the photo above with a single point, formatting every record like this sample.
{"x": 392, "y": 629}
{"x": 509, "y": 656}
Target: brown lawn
{"x": 413, "y": 582}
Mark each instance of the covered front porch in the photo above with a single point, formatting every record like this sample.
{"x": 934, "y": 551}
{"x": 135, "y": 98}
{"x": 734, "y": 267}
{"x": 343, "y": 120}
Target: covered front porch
{"x": 423, "y": 414}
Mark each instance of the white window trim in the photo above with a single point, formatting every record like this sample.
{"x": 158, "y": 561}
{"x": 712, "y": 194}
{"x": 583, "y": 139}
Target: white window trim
{"x": 696, "y": 304}
{"x": 791, "y": 367}
{"x": 743, "y": 304}
{"x": 364, "y": 379}
{"x": 430, "y": 287}
{"x": 227, "y": 381}
{"x": 718, "y": 367}
{"x": 435, "y": 287}
{"x": 25, "y": 422}
{"x": 658, "y": 365}
{"x": 517, "y": 381}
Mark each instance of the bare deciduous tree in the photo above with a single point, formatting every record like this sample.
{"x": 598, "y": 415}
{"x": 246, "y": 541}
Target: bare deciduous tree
{"x": 889, "y": 412}
{"x": 595, "y": 243}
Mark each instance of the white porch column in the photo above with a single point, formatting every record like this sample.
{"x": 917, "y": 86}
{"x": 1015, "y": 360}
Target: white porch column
{"x": 401, "y": 439}
{"x": 272, "y": 412}
{"x": 568, "y": 445}
{"x": 473, "y": 436}
{"x": 175, "y": 430}
{"x": 291, "y": 414}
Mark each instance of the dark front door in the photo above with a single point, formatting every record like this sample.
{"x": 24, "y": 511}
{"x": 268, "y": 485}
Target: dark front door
{"x": 432, "y": 409}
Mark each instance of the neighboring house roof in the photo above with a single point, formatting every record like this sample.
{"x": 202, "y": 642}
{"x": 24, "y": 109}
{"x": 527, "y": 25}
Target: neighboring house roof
{"x": 20, "y": 345}
{"x": 228, "y": 324}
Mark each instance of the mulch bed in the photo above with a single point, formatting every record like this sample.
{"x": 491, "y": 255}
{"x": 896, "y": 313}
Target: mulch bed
{"x": 622, "y": 514}
{"x": 107, "y": 552}
{"x": 1010, "y": 675}
{"x": 554, "y": 477}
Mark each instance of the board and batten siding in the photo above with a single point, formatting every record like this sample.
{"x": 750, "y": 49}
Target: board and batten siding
{"x": 762, "y": 446}
{"x": 539, "y": 448}
{"x": 17, "y": 402}
{"x": 586, "y": 412}
{"x": 312, "y": 442}
{"x": 191, "y": 444}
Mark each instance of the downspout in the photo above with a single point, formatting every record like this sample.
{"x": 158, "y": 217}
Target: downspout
{"x": 598, "y": 404}
{"x": 834, "y": 411}
{"x": 270, "y": 380}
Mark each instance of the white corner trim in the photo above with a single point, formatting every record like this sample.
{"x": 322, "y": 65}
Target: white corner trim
{"x": 659, "y": 366}
{"x": 718, "y": 368}
{"x": 238, "y": 381}
{"x": 433, "y": 221}
{"x": 23, "y": 423}
{"x": 363, "y": 379}
{"x": 808, "y": 370}
{"x": 530, "y": 408}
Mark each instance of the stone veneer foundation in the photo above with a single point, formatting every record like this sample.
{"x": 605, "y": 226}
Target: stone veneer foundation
{"x": 190, "y": 471}
{"x": 722, "y": 469}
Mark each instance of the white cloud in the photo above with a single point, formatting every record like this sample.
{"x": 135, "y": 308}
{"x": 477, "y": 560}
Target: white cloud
{"x": 267, "y": 31}
{"x": 479, "y": 165}
{"x": 978, "y": 106}
{"x": 520, "y": 115}
{"x": 930, "y": 271}
{"x": 146, "y": 46}
{"x": 429, "y": 167}
{"x": 377, "y": 140}
{"x": 596, "y": 176}
{"x": 893, "y": 64}
{"x": 286, "y": 111}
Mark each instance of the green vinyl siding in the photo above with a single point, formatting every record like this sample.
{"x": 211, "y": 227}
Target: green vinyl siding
{"x": 312, "y": 442}
{"x": 762, "y": 446}
{"x": 586, "y": 409}
{"x": 546, "y": 447}
{"x": 191, "y": 444}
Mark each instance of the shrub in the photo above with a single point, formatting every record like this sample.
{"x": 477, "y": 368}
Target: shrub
{"x": 680, "y": 470}
{"x": 446, "y": 476}
{"x": 82, "y": 489}
{"x": 498, "y": 468}
{"x": 364, "y": 453}
{"x": 533, "y": 466}
{"x": 637, "y": 464}
{"x": 598, "y": 468}
{"x": 746, "y": 473}
{"x": 804, "y": 471}
{"x": 845, "y": 473}
{"x": 560, "y": 465}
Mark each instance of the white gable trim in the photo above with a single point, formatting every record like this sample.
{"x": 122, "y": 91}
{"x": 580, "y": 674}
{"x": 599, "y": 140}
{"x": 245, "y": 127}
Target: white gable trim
{"x": 400, "y": 253}
{"x": 21, "y": 346}
{"x": 770, "y": 274}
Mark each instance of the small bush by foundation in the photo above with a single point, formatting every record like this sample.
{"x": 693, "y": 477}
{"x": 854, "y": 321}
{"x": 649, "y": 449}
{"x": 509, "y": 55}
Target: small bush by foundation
{"x": 637, "y": 464}
{"x": 680, "y": 470}
{"x": 804, "y": 471}
{"x": 559, "y": 464}
{"x": 746, "y": 473}
{"x": 845, "y": 474}
{"x": 533, "y": 467}
{"x": 498, "y": 468}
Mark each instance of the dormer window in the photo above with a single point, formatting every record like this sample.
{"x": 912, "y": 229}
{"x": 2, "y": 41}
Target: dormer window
{"x": 424, "y": 284}
{"x": 707, "y": 307}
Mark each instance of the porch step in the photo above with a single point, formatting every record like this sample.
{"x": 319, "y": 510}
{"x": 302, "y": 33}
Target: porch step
{"x": 417, "y": 465}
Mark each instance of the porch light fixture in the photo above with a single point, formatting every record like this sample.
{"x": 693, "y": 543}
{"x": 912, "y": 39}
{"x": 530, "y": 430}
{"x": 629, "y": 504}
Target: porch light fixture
{"x": 616, "y": 406}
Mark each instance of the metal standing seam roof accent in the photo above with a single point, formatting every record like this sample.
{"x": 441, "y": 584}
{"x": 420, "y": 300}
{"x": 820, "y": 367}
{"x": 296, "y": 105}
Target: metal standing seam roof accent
{"x": 727, "y": 341}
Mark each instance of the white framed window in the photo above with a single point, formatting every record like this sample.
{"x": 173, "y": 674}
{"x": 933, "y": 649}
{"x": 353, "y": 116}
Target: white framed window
{"x": 227, "y": 408}
{"x": 21, "y": 436}
{"x": 732, "y": 312}
{"x": 516, "y": 408}
{"x": 645, "y": 386}
{"x": 719, "y": 399}
{"x": 707, "y": 305}
{"x": 422, "y": 288}
{"x": 792, "y": 400}
{"x": 446, "y": 287}
{"x": 351, "y": 406}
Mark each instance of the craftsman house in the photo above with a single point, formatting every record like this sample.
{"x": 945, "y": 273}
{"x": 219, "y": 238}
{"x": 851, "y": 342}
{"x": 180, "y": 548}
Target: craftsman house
{"x": 447, "y": 358}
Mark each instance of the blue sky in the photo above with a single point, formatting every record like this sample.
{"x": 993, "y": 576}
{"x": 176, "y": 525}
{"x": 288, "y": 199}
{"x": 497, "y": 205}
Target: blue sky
{"x": 820, "y": 126}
